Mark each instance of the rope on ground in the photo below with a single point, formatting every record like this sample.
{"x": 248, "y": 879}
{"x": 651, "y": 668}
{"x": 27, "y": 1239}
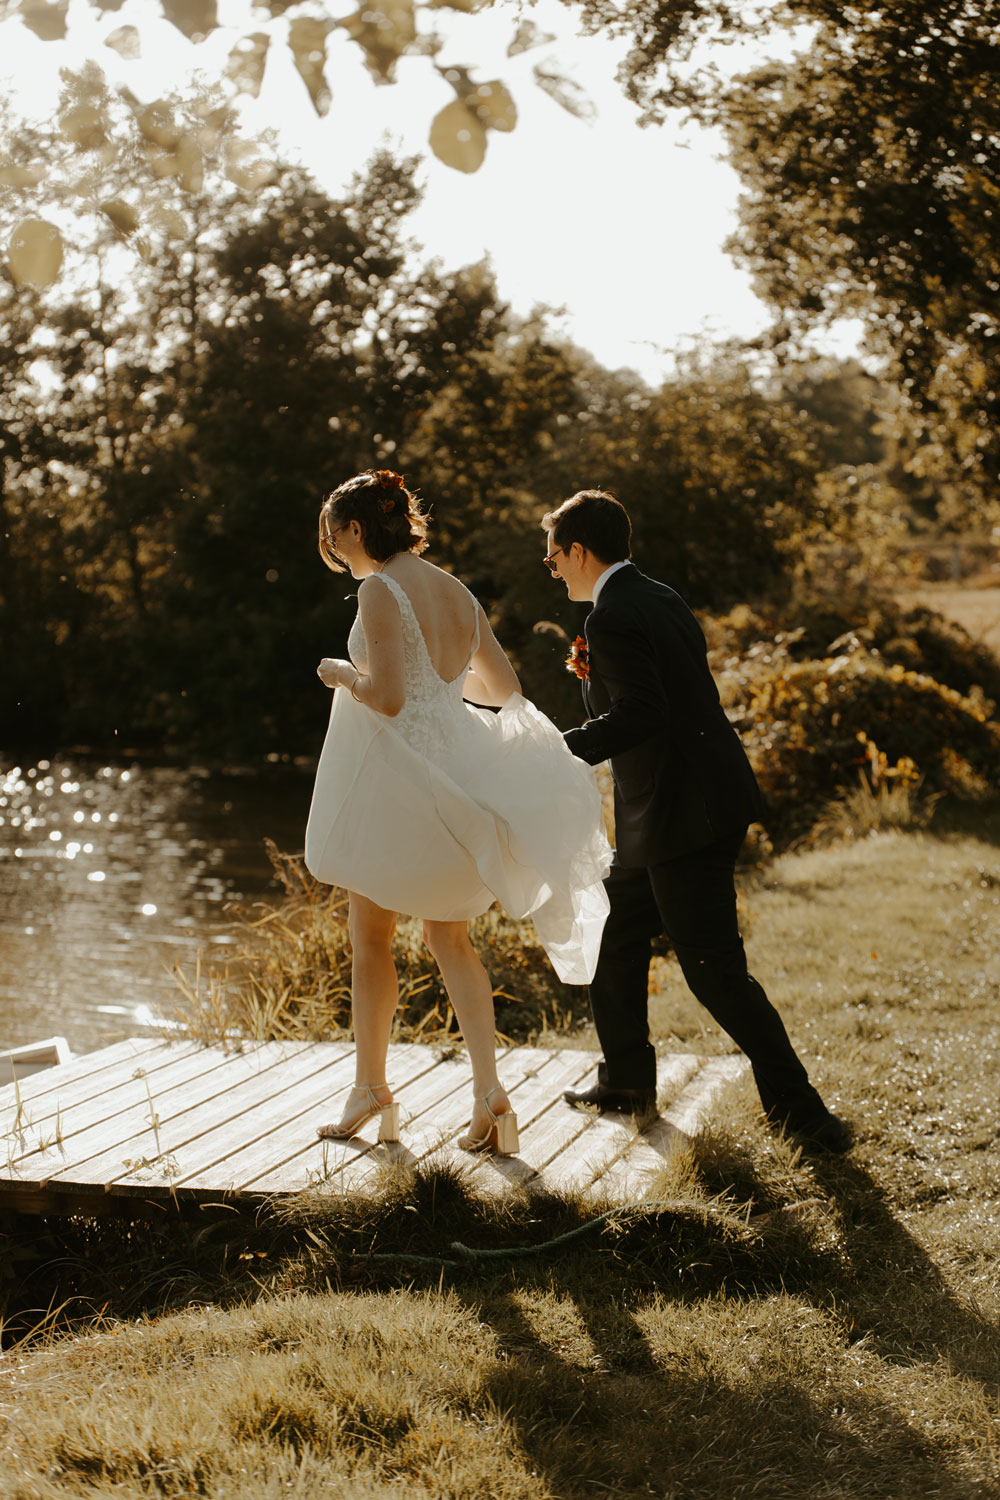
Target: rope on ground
{"x": 504, "y": 1252}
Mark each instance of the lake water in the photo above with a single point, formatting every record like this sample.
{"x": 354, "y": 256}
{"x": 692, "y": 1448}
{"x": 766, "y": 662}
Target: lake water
{"x": 112, "y": 873}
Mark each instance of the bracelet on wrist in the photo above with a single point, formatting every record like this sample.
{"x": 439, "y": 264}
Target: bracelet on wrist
{"x": 357, "y": 679}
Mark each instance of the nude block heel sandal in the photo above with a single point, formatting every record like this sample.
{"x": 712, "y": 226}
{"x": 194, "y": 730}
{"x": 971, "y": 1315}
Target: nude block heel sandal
{"x": 388, "y": 1126}
{"x": 501, "y": 1137}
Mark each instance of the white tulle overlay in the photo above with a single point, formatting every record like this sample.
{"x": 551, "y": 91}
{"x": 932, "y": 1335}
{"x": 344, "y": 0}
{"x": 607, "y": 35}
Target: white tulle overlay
{"x": 447, "y": 808}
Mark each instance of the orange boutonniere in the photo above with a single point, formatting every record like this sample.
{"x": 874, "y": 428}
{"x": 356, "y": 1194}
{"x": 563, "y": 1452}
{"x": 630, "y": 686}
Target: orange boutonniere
{"x": 578, "y": 660}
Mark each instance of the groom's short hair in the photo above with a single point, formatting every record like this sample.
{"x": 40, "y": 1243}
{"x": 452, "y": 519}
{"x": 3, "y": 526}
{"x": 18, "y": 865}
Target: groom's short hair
{"x": 596, "y": 520}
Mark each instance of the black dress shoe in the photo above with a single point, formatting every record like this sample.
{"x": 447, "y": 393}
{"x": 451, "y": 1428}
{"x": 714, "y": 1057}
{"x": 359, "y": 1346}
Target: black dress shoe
{"x": 826, "y": 1133}
{"x": 614, "y": 1101}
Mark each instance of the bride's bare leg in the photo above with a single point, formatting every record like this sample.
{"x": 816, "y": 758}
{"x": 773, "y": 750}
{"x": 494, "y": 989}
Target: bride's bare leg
{"x": 471, "y": 995}
{"x": 374, "y": 997}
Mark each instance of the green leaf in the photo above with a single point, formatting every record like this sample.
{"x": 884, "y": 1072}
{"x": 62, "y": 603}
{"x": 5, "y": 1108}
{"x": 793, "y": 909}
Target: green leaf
{"x": 85, "y": 126}
{"x": 246, "y": 63}
{"x": 170, "y": 223}
{"x": 246, "y": 167}
{"x": 186, "y": 163}
{"x": 307, "y": 39}
{"x": 121, "y": 214}
{"x": 157, "y": 125}
{"x": 492, "y": 105}
{"x": 35, "y": 252}
{"x": 527, "y": 36}
{"x": 46, "y": 21}
{"x": 457, "y": 138}
{"x": 195, "y": 18}
{"x": 567, "y": 94}
{"x": 20, "y": 177}
{"x": 383, "y": 32}
{"x": 124, "y": 41}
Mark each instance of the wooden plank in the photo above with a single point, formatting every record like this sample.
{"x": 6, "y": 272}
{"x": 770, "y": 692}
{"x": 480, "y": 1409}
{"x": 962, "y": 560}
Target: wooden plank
{"x": 552, "y": 1125}
{"x": 693, "y": 1107}
{"x": 424, "y": 1094}
{"x": 545, "y": 1120}
{"x": 534, "y": 1079}
{"x": 591, "y": 1155}
{"x": 442, "y": 1100}
{"x": 89, "y": 1069}
{"x": 75, "y": 1114}
{"x": 216, "y": 1129}
{"x": 101, "y": 1154}
{"x": 576, "y": 1145}
{"x": 442, "y": 1104}
{"x": 254, "y": 1144}
{"x": 591, "y": 1152}
{"x": 80, "y": 1113}
{"x": 631, "y": 1178}
{"x": 251, "y": 1081}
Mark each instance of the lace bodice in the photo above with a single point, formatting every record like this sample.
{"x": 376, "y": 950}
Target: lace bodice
{"x": 434, "y": 709}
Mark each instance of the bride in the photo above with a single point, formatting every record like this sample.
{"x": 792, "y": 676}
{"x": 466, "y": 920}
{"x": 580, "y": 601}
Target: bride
{"x": 427, "y": 804}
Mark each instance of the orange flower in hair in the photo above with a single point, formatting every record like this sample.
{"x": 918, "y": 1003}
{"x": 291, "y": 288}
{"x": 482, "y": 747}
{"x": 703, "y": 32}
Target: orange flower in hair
{"x": 388, "y": 479}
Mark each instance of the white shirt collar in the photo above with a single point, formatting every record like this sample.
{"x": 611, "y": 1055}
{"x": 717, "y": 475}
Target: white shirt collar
{"x": 614, "y": 568}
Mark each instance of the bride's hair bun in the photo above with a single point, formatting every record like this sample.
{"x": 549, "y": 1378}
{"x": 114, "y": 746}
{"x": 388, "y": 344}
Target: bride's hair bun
{"x": 388, "y": 479}
{"x": 391, "y": 516}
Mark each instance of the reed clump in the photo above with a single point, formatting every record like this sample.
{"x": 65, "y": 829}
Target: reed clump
{"x": 288, "y": 974}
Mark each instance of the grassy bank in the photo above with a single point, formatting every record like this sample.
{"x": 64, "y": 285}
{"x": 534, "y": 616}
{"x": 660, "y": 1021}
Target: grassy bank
{"x": 767, "y": 1326}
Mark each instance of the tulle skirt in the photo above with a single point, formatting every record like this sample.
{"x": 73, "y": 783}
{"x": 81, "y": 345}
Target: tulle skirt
{"x": 498, "y": 811}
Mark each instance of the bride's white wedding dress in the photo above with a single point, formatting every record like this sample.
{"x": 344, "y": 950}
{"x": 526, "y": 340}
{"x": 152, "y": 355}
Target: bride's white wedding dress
{"x": 446, "y": 808}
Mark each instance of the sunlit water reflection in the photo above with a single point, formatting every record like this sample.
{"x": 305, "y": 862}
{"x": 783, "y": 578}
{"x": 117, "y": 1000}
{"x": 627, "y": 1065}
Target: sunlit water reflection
{"x": 112, "y": 874}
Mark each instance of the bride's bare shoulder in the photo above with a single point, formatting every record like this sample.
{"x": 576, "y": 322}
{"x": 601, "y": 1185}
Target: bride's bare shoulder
{"x": 440, "y": 577}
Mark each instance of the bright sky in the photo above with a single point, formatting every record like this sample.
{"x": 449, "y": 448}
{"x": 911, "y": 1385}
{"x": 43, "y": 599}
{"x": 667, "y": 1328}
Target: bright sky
{"x": 621, "y": 227}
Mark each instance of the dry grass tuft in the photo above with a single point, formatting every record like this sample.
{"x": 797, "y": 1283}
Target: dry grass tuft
{"x": 867, "y": 809}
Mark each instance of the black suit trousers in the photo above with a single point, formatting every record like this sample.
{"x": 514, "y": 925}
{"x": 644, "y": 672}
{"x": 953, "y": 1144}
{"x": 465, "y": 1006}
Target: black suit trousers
{"x": 691, "y": 898}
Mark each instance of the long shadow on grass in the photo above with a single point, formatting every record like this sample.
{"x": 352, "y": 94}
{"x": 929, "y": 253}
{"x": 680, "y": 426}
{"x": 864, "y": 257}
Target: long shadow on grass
{"x": 632, "y": 1420}
{"x": 895, "y": 1294}
{"x": 855, "y": 1253}
{"x": 608, "y": 1390}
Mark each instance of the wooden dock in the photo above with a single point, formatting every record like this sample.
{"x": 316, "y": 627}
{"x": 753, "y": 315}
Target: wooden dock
{"x": 152, "y": 1122}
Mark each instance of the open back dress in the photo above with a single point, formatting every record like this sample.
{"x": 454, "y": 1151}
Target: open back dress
{"x": 446, "y": 808}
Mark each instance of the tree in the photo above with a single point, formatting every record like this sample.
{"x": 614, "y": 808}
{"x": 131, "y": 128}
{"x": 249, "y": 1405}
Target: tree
{"x": 185, "y": 415}
{"x": 873, "y": 181}
{"x": 871, "y": 167}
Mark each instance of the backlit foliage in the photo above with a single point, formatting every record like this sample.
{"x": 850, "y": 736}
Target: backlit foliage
{"x": 382, "y": 33}
{"x": 816, "y": 717}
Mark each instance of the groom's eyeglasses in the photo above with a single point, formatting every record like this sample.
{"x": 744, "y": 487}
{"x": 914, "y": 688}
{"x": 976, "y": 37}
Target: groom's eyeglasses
{"x": 549, "y": 561}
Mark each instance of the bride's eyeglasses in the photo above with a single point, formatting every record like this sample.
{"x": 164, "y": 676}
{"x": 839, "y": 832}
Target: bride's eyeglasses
{"x": 549, "y": 560}
{"x": 328, "y": 540}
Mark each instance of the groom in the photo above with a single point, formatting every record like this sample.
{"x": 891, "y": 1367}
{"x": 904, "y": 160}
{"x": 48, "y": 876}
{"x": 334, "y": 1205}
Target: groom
{"x": 684, "y": 796}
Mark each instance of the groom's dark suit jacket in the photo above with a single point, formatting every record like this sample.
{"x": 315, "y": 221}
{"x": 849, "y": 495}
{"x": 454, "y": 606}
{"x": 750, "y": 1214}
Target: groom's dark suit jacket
{"x": 682, "y": 779}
